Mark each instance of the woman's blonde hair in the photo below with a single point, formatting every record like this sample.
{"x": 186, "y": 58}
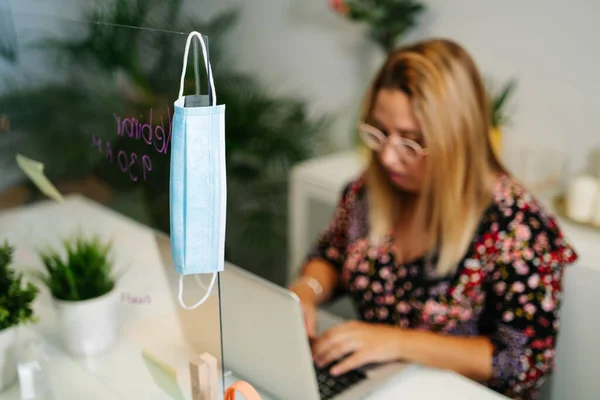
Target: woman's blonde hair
{"x": 450, "y": 104}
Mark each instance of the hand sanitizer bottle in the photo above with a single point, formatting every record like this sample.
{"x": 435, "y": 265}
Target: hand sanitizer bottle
{"x": 33, "y": 371}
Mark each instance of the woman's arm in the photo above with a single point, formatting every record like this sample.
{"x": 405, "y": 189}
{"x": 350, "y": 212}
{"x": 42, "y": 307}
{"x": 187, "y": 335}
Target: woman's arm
{"x": 319, "y": 280}
{"x": 469, "y": 356}
{"x": 323, "y": 274}
{"x": 367, "y": 343}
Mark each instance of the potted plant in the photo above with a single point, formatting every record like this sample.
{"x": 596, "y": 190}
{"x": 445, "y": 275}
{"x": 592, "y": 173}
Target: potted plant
{"x": 498, "y": 115}
{"x": 84, "y": 291}
{"x": 16, "y": 298}
{"x": 388, "y": 20}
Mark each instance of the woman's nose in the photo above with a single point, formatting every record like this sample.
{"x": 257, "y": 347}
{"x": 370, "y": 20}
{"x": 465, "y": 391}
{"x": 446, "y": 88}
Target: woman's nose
{"x": 392, "y": 159}
{"x": 389, "y": 157}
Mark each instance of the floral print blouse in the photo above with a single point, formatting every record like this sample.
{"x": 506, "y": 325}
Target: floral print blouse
{"x": 507, "y": 286}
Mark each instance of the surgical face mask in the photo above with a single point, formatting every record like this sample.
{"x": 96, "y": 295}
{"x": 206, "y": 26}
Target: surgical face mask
{"x": 198, "y": 182}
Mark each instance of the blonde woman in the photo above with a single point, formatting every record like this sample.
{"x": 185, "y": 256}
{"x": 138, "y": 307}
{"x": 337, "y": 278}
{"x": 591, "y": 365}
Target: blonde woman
{"x": 450, "y": 262}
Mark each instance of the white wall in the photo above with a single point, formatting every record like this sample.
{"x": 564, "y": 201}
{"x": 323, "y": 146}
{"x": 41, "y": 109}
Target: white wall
{"x": 301, "y": 47}
{"x": 550, "y": 47}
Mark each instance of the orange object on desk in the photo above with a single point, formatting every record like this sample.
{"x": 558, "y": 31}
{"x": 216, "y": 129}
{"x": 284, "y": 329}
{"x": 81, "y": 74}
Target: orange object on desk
{"x": 244, "y": 388}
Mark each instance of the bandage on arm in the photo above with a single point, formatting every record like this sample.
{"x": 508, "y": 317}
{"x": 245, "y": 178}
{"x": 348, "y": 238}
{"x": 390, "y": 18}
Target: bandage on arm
{"x": 316, "y": 273}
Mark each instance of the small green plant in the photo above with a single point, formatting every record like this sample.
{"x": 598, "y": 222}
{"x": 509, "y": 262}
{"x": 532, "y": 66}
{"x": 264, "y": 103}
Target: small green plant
{"x": 498, "y": 100}
{"x": 16, "y": 298}
{"x": 85, "y": 273}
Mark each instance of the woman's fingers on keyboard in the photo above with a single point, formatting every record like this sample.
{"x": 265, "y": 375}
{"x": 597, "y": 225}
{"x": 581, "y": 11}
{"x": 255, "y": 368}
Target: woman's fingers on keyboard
{"x": 353, "y": 361}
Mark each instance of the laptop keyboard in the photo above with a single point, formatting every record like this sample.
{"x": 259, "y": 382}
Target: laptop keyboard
{"x": 330, "y": 386}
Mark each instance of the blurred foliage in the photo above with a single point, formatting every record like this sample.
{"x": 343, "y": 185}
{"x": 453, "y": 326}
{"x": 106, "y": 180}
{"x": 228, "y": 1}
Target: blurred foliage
{"x": 8, "y": 37}
{"x": 16, "y": 296}
{"x": 116, "y": 69}
{"x": 388, "y": 19}
{"x": 499, "y": 99}
{"x": 55, "y": 123}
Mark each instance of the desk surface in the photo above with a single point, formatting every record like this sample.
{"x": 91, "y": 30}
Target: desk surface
{"x": 121, "y": 373}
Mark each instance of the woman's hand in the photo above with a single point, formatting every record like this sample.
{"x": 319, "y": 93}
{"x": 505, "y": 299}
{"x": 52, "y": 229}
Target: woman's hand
{"x": 362, "y": 342}
{"x": 310, "y": 319}
{"x": 308, "y": 302}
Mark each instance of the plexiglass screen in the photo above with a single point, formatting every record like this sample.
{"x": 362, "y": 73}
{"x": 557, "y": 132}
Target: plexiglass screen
{"x": 86, "y": 105}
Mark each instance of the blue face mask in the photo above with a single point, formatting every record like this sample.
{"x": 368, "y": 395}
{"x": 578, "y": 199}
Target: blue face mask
{"x": 198, "y": 182}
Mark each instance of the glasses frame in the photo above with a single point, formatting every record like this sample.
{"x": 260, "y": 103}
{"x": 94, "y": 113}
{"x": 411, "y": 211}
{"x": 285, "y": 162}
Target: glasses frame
{"x": 367, "y": 131}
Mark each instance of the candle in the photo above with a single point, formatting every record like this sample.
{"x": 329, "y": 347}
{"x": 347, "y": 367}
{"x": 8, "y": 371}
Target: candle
{"x": 596, "y": 217}
{"x": 582, "y": 197}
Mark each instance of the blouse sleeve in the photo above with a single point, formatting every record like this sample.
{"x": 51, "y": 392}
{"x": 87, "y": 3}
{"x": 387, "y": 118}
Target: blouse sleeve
{"x": 331, "y": 244}
{"x": 526, "y": 290}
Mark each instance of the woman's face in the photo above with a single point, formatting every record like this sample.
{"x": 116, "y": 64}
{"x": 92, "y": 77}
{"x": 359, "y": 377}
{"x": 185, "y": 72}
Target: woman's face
{"x": 393, "y": 115}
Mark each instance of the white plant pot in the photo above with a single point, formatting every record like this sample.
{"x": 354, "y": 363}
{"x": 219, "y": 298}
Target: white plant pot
{"x": 89, "y": 327}
{"x": 8, "y": 357}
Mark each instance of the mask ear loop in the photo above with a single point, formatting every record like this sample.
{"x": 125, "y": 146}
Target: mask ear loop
{"x": 203, "y": 299}
{"x": 206, "y": 64}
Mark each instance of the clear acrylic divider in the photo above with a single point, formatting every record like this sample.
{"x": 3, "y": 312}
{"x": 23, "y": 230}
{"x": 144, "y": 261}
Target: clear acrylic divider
{"x": 92, "y": 99}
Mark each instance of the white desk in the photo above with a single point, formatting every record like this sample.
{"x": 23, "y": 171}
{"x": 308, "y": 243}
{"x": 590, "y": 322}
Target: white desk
{"x": 120, "y": 373}
{"x": 67, "y": 379}
{"x": 154, "y": 326}
{"x": 418, "y": 383}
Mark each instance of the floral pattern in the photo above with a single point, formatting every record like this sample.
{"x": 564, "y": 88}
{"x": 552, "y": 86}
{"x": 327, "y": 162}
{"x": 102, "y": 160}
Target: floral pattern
{"x": 507, "y": 286}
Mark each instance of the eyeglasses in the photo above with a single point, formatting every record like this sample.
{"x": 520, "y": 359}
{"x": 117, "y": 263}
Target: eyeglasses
{"x": 407, "y": 149}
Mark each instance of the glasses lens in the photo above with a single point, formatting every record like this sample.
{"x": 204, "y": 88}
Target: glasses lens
{"x": 370, "y": 137}
{"x": 408, "y": 149}
{"x": 411, "y": 151}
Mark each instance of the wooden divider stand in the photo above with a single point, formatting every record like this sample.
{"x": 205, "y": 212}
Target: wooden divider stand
{"x": 205, "y": 381}
{"x": 204, "y": 378}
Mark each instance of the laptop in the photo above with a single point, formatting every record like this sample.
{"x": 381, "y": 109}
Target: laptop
{"x": 265, "y": 343}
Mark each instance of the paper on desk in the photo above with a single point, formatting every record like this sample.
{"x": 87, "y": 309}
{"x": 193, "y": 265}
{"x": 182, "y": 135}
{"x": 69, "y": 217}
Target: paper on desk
{"x": 35, "y": 171}
{"x": 164, "y": 375}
